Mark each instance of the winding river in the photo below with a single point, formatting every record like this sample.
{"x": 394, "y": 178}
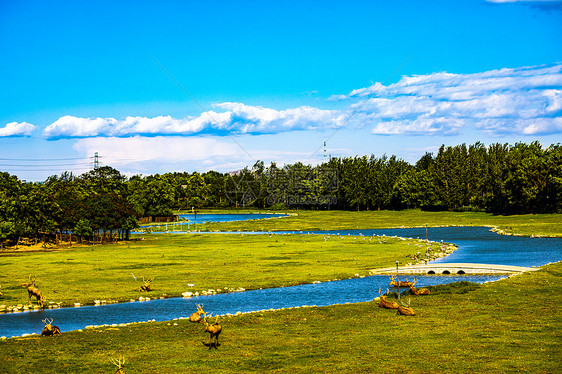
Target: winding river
{"x": 476, "y": 245}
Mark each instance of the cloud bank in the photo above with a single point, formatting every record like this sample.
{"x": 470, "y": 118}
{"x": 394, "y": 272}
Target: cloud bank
{"x": 236, "y": 119}
{"x": 16, "y": 129}
{"x": 140, "y": 154}
{"x": 526, "y": 101}
{"x": 519, "y": 101}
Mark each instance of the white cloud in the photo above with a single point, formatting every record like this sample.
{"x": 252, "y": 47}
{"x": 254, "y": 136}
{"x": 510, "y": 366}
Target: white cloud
{"x": 237, "y": 118}
{"x": 140, "y": 149}
{"x": 448, "y": 86}
{"x": 534, "y": 126}
{"x": 17, "y": 129}
{"x": 139, "y": 154}
{"x": 525, "y": 101}
{"x": 419, "y": 126}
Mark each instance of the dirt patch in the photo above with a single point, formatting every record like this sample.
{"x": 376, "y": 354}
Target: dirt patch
{"x": 37, "y": 248}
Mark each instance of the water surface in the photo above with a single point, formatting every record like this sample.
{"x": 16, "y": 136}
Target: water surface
{"x": 479, "y": 245}
{"x": 190, "y": 219}
{"x": 320, "y": 294}
{"x": 476, "y": 245}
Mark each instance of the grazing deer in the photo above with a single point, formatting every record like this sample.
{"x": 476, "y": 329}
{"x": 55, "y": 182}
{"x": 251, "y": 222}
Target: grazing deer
{"x": 385, "y": 303}
{"x": 214, "y": 330}
{"x": 120, "y": 365}
{"x": 406, "y": 310}
{"x": 395, "y": 283}
{"x": 32, "y": 290}
{"x": 418, "y": 291}
{"x": 50, "y": 330}
{"x": 196, "y": 317}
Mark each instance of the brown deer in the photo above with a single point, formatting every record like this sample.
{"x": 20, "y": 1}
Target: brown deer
{"x": 146, "y": 287}
{"x": 418, "y": 291}
{"x": 120, "y": 363}
{"x": 32, "y": 290}
{"x": 396, "y": 283}
{"x": 405, "y": 309}
{"x": 383, "y": 303}
{"x": 214, "y": 330}
{"x": 49, "y": 329}
{"x": 196, "y": 317}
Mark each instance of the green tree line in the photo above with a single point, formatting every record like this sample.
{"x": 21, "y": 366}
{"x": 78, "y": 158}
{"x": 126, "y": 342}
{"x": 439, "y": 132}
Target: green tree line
{"x": 500, "y": 178}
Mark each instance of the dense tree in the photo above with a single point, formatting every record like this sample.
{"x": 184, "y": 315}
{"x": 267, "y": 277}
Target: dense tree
{"x": 502, "y": 179}
{"x": 152, "y": 196}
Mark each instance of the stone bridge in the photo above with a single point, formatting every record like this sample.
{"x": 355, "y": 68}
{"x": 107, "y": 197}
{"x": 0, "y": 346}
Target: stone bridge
{"x": 454, "y": 269}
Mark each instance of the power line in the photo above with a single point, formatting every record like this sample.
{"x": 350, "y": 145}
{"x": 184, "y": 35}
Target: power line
{"x": 55, "y": 165}
{"x": 44, "y": 159}
{"x": 50, "y": 169}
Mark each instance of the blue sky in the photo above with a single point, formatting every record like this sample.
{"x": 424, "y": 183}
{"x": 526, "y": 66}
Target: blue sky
{"x": 192, "y": 86}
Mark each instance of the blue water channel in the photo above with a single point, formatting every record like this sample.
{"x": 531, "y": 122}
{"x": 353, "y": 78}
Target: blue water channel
{"x": 190, "y": 219}
{"x": 320, "y": 294}
{"x": 476, "y": 245}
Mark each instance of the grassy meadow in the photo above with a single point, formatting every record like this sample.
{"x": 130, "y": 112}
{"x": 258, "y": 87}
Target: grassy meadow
{"x": 512, "y": 325}
{"x": 503, "y": 327}
{"x": 529, "y": 224}
{"x": 209, "y": 261}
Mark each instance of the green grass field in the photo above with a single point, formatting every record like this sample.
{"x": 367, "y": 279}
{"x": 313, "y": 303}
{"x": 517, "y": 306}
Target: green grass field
{"x": 210, "y": 261}
{"x": 512, "y": 325}
{"x": 530, "y": 224}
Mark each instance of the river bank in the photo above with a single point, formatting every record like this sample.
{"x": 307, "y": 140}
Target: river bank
{"x": 308, "y": 220}
{"x": 192, "y": 263}
{"x": 499, "y": 327}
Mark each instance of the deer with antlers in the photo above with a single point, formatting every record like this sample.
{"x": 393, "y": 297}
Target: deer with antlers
{"x": 405, "y": 309}
{"x": 49, "y": 329}
{"x": 32, "y": 290}
{"x": 120, "y": 363}
{"x": 146, "y": 287}
{"x": 196, "y": 317}
{"x": 418, "y": 291}
{"x": 214, "y": 330}
{"x": 383, "y": 303}
{"x": 396, "y": 283}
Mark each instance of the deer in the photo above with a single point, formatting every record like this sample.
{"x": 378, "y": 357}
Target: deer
{"x": 146, "y": 287}
{"x": 395, "y": 283}
{"x": 214, "y": 330}
{"x": 405, "y": 309}
{"x": 32, "y": 290}
{"x": 385, "y": 303}
{"x": 418, "y": 291}
{"x": 120, "y": 363}
{"x": 196, "y": 317}
{"x": 49, "y": 329}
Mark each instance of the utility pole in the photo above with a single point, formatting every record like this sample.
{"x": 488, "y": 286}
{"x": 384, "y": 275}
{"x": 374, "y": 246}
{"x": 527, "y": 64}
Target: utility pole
{"x": 325, "y": 157}
{"x": 96, "y": 161}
